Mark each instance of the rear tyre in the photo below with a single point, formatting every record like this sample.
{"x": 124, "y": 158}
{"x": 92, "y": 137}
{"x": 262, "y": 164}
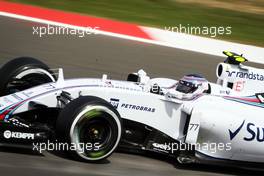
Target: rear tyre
{"x": 23, "y": 73}
{"x": 92, "y": 126}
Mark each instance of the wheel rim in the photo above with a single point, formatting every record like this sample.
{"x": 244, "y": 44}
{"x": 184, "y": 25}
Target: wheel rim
{"x": 95, "y": 127}
{"x": 27, "y": 79}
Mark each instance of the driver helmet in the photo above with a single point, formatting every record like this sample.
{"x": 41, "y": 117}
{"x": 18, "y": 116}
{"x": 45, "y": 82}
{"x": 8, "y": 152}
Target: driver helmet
{"x": 192, "y": 84}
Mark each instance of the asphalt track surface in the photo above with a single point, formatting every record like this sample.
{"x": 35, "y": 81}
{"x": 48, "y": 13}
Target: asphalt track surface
{"x": 90, "y": 57}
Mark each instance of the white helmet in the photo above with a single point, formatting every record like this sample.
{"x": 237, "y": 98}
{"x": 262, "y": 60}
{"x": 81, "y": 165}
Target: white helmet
{"x": 192, "y": 84}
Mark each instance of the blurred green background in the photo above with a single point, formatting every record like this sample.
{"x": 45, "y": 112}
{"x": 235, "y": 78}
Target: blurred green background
{"x": 246, "y": 17}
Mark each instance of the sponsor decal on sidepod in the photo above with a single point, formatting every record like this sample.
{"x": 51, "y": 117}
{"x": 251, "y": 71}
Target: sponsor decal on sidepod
{"x": 253, "y": 132}
{"x": 115, "y": 103}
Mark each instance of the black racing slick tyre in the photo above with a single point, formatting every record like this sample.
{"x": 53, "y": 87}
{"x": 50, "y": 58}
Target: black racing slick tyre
{"x": 23, "y": 73}
{"x": 91, "y": 126}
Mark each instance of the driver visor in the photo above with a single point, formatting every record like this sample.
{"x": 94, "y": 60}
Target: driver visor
{"x": 186, "y": 87}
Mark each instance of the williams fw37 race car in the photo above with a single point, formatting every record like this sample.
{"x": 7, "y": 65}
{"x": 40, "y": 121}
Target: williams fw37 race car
{"x": 191, "y": 119}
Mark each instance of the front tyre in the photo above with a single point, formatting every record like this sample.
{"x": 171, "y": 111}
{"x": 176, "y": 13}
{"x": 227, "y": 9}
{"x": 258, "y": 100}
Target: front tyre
{"x": 23, "y": 73}
{"x": 91, "y": 126}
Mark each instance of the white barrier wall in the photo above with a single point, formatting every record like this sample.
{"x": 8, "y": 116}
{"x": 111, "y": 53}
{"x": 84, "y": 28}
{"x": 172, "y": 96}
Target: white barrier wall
{"x": 205, "y": 45}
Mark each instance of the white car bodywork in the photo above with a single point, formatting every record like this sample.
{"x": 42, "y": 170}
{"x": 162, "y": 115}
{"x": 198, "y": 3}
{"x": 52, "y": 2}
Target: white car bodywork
{"x": 230, "y": 117}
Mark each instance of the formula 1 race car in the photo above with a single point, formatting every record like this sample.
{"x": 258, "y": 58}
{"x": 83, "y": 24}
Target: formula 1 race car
{"x": 191, "y": 119}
